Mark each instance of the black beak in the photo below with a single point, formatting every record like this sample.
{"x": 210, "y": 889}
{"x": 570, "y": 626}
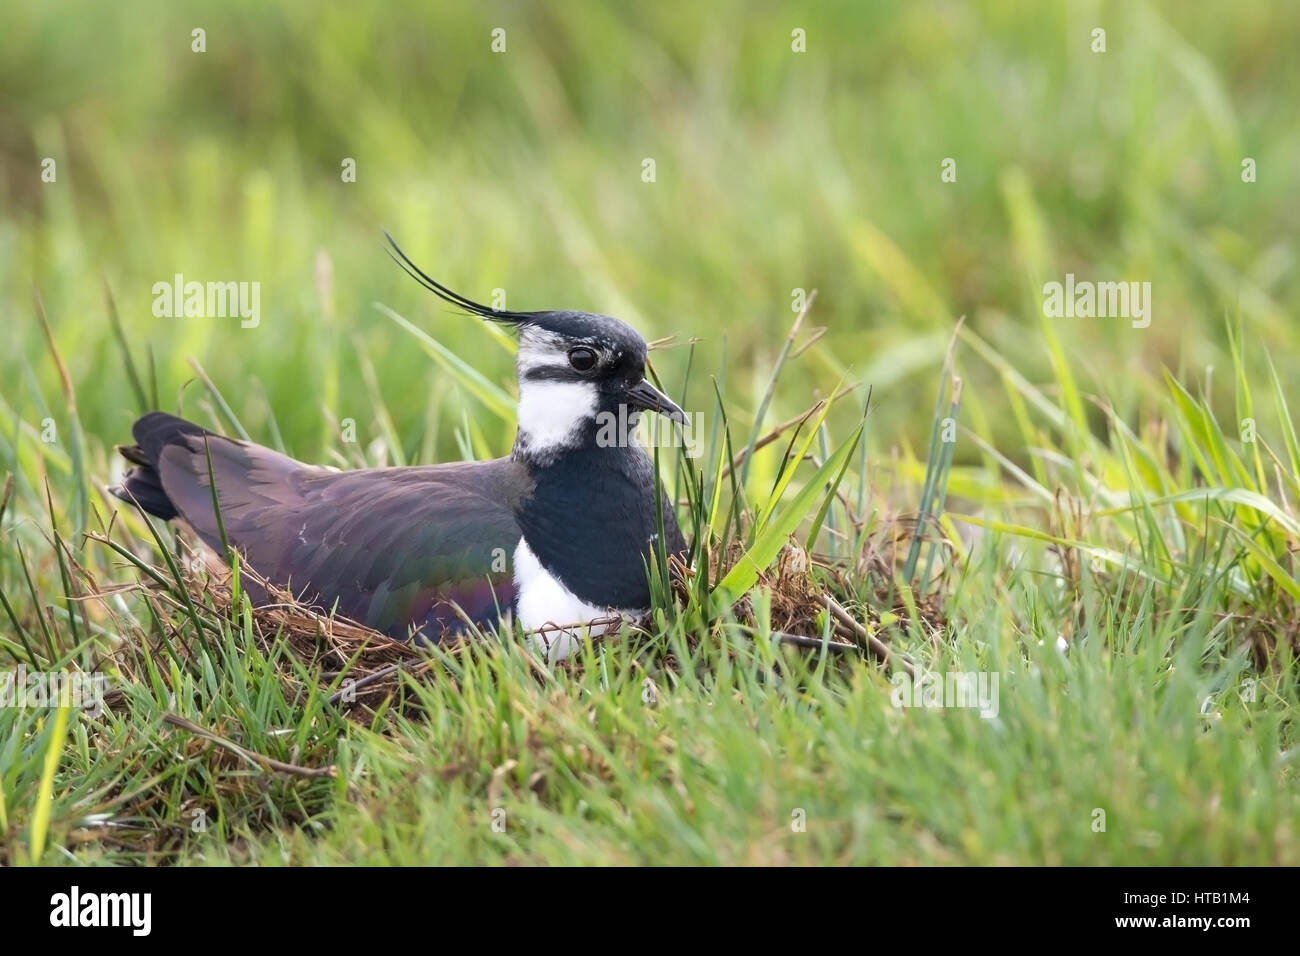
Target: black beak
{"x": 646, "y": 396}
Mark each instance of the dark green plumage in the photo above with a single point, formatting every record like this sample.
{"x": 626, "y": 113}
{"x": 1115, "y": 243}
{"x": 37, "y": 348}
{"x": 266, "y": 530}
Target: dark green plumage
{"x": 395, "y": 547}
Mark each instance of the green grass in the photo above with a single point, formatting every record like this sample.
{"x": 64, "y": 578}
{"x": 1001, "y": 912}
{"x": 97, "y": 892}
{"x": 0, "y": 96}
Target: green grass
{"x": 1069, "y": 504}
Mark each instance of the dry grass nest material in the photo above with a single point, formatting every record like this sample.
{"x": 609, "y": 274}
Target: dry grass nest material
{"x": 363, "y": 669}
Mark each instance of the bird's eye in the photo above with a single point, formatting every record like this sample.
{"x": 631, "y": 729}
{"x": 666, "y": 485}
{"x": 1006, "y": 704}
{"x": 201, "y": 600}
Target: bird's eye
{"x": 582, "y": 358}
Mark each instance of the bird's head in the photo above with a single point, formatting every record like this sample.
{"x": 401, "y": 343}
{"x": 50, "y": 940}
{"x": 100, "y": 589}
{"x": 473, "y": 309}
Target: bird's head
{"x": 578, "y": 372}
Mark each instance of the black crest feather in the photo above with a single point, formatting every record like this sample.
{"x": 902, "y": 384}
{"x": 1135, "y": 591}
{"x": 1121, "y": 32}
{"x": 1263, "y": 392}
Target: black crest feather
{"x": 447, "y": 295}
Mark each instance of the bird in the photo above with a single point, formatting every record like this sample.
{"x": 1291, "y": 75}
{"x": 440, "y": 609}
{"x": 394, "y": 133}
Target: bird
{"x": 558, "y": 535}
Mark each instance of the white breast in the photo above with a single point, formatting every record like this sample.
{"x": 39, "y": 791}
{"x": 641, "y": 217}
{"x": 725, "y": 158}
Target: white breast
{"x": 540, "y": 599}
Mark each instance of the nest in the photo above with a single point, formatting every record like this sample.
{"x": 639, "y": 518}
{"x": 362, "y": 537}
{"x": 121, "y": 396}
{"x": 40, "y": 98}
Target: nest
{"x": 362, "y": 669}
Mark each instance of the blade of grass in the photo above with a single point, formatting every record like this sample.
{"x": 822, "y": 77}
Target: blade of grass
{"x": 45, "y": 791}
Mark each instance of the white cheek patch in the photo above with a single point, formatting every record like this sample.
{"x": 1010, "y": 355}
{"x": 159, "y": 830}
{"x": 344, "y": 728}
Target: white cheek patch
{"x": 540, "y": 599}
{"x": 530, "y": 359}
{"x": 551, "y": 414}
{"x": 539, "y": 349}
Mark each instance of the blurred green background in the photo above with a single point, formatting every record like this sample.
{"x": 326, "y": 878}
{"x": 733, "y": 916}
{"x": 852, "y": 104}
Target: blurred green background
{"x": 522, "y": 170}
{"x": 775, "y": 170}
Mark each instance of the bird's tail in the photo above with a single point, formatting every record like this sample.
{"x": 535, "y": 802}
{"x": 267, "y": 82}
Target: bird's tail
{"x": 142, "y": 486}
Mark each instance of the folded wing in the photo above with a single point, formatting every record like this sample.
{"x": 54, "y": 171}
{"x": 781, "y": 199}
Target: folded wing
{"x": 394, "y": 548}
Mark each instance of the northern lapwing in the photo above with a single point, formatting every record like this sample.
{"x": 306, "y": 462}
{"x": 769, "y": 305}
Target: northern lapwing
{"x": 560, "y": 532}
